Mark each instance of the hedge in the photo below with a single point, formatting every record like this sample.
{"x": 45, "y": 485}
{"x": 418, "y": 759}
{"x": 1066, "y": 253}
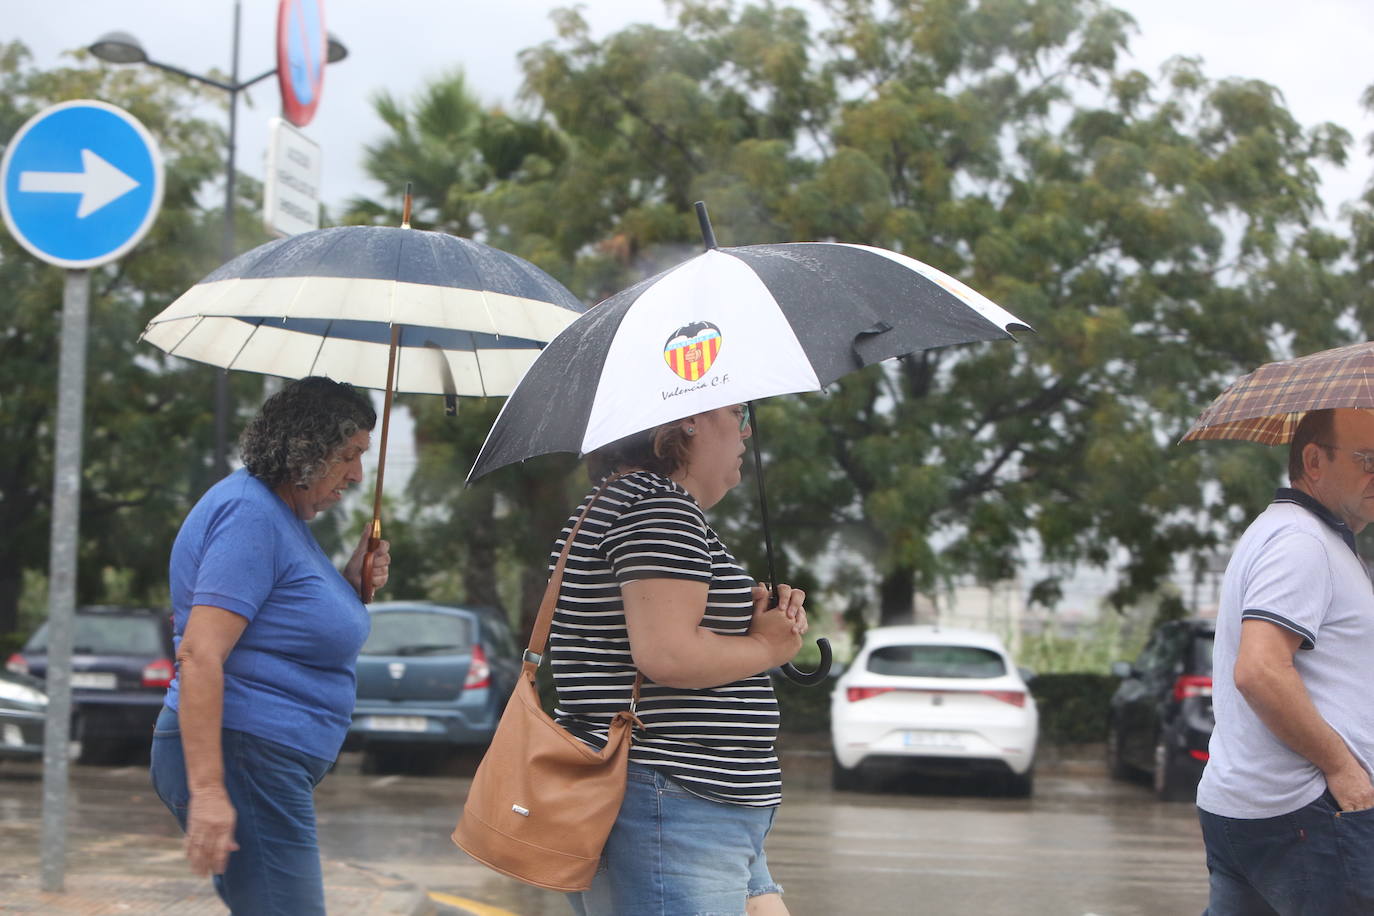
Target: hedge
{"x": 1073, "y": 707}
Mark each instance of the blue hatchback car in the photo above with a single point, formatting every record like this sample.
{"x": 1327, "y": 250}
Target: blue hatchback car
{"x": 432, "y": 675}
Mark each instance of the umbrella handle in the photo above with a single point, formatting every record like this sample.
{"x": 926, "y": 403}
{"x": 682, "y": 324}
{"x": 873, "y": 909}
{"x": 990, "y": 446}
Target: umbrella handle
{"x": 814, "y": 677}
{"x": 365, "y": 589}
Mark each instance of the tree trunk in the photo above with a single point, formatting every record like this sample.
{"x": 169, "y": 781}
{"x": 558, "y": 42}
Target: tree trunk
{"x": 897, "y": 597}
{"x": 533, "y": 581}
{"x": 11, "y": 583}
{"x": 479, "y": 561}
{"x": 548, "y": 506}
{"x": 479, "y": 580}
{"x": 546, "y": 521}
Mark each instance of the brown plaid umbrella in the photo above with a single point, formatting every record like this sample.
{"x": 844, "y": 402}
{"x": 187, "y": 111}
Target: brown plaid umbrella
{"x": 1266, "y": 405}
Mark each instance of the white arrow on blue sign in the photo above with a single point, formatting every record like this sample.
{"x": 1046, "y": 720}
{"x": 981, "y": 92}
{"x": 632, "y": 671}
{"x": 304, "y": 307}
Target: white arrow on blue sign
{"x": 81, "y": 183}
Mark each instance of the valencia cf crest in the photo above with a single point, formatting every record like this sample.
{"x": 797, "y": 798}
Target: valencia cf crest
{"x": 691, "y": 350}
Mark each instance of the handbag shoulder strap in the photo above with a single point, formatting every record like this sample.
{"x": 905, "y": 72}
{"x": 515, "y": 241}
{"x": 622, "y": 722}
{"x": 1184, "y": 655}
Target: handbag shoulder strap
{"x": 539, "y": 635}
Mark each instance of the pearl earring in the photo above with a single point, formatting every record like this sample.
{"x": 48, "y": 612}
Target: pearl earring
{"x": 691, "y": 430}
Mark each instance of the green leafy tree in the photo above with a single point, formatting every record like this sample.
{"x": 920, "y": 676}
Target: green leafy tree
{"x": 1362, "y": 230}
{"x": 148, "y": 423}
{"x": 1160, "y": 233}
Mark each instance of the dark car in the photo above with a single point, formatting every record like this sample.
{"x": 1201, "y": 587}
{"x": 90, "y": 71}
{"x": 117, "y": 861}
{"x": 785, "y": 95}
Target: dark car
{"x": 431, "y": 675}
{"x": 1160, "y": 719}
{"x": 23, "y": 711}
{"x": 121, "y": 666}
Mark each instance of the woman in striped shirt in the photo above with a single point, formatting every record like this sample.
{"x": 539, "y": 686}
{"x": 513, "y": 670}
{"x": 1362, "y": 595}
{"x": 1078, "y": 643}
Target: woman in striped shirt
{"x": 649, "y": 588}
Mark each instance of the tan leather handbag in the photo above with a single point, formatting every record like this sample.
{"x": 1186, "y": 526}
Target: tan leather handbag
{"x": 542, "y": 802}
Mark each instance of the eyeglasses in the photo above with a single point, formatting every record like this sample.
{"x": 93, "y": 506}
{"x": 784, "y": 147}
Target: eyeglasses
{"x": 1366, "y": 459}
{"x": 742, "y": 413}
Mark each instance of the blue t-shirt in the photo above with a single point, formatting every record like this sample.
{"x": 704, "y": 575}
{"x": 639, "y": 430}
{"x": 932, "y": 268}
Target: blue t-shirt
{"x": 290, "y": 677}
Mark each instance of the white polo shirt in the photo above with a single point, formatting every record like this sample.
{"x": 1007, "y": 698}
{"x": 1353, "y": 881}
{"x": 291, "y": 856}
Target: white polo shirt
{"x": 1293, "y": 567}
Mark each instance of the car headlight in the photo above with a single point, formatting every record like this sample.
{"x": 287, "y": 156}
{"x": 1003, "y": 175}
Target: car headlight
{"x": 19, "y": 693}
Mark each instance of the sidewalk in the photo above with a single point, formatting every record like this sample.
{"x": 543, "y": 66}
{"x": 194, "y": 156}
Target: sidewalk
{"x": 96, "y": 885}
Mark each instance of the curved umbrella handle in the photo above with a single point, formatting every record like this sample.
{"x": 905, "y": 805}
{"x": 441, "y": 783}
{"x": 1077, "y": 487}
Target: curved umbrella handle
{"x": 814, "y": 677}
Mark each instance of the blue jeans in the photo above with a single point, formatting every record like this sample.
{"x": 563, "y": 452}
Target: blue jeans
{"x": 672, "y": 853}
{"x": 1316, "y": 861}
{"x": 276, "y": 869}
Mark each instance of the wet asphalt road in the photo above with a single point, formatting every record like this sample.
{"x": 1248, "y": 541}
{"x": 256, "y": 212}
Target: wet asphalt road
{"x": 1082, "y": 845}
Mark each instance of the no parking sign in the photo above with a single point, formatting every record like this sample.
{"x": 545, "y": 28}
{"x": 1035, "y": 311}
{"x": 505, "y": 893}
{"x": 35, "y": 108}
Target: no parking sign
{"x": 302, "y": 48}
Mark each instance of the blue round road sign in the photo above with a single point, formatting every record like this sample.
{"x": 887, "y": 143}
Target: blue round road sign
{"x": 302, "y": 45}
{"x": 80, "y": 183}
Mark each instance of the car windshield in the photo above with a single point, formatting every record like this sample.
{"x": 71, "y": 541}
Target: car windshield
{"x": 99, "y": 634}
{"x": 417, "y": 633}
{"x": 1202, "y": 653}
{"x": 936, "y": 661}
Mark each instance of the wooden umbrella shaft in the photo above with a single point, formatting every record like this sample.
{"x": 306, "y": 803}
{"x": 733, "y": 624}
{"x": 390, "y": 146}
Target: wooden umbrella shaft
{"x": 366, "y": 590}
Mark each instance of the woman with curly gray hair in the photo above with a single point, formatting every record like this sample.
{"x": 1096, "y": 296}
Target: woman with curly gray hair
{"x": 268, "y": 633}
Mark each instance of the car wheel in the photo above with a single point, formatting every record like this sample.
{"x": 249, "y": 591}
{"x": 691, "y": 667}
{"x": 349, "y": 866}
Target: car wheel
{"x": 94, "y": 751}
{"x": 1020, "y": 785}
{"x": 376, "y": 761}
{"x": 1116, "y": 764}
{"x": 843, "y": 778}
{"x": 1172, "y": 780}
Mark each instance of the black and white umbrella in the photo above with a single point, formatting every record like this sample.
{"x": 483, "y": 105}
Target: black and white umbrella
{"x": 729, "y": 326}
{"x": 396, "y": 309}
{"x": 471, "y": 318}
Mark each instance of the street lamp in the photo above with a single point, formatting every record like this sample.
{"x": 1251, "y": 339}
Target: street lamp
{"x": 123, "y": 48}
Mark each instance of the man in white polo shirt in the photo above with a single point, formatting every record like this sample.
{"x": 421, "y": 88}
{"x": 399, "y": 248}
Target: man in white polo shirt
{"x": 1286, "y": 798}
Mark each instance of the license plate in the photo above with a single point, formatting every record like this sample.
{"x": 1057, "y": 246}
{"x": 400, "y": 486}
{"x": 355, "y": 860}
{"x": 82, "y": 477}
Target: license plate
{"x": 13, "y": 736}
{"x": 93, "y": 680}
{"x": 396, "y": 723}
{"x": 933, "y": 739}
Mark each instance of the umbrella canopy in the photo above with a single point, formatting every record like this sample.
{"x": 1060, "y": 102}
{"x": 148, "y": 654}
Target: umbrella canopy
{"x": 1266, "y": 405}
{"x": 471, "y": 318}
{"x": 729, "y": 326}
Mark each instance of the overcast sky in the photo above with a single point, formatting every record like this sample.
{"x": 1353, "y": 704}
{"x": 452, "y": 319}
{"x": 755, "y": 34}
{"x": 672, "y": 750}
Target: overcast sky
{"x": 1316, "y": 52}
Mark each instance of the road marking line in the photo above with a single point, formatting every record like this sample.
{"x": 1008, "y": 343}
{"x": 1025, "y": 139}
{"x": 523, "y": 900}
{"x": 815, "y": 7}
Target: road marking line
{"x": 472, "y": 906}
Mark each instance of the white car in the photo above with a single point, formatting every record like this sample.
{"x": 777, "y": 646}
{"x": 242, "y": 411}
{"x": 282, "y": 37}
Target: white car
{"x": 944, "y": 701}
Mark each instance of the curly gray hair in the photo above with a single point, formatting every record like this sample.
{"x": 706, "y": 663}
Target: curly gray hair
{"x": 300, "y": 428}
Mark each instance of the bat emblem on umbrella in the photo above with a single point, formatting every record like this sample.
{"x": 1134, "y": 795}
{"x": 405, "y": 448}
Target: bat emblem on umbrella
{"x": 691, "y": 350}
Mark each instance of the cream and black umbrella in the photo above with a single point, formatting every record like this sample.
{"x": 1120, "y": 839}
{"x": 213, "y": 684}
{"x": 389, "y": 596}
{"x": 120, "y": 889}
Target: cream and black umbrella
{"x": 395, "y": 309}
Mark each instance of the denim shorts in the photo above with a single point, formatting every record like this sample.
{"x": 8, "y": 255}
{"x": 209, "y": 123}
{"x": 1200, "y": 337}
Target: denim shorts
{"x": 672, "y": 853}
{"x": 276, "y": 869}
{"x": 1315, "y": 861}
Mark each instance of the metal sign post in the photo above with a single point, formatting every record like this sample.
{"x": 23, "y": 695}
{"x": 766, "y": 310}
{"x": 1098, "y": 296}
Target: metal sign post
{"x": 80, "y": 185}
{"x": 66, "y": 514}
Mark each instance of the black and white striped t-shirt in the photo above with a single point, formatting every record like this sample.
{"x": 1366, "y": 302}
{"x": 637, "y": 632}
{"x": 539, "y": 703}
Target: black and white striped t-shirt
{"x": 718, "y": 741}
